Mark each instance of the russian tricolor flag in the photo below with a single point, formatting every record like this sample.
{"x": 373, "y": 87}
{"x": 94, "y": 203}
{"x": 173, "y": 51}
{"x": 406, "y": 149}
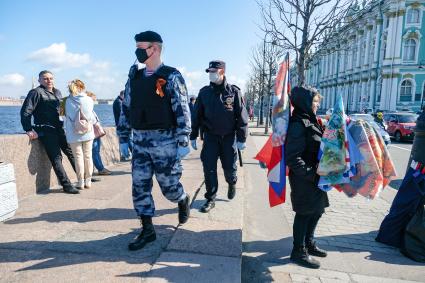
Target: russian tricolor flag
{"x": 273, "y": 152}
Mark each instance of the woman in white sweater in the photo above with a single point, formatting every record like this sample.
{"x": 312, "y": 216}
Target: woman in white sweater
{"x": 79, "y": 106}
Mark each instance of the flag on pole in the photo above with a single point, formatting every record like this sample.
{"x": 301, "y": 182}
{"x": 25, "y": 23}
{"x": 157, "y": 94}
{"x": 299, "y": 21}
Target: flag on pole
{"x": 273, "y": 152}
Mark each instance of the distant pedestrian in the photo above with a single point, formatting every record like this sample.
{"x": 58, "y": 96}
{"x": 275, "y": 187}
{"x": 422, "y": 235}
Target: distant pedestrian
{"x": 301, "y": 149}
{"x": 124, "y": 135}
{"x": 251, "y": 113}
{"x": 155, "y": 107}
{"x": 220, "y": 110}
{"x": 79, "y": 131}
{"x": 192, "y": 104}
{"x": 43, "y": 103}
{"x": 97, "y": 143}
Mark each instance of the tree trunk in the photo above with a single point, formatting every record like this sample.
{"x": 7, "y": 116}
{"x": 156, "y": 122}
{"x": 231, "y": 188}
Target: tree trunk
{"x": 269, "y": 86}
{"x": 261, "y": 118}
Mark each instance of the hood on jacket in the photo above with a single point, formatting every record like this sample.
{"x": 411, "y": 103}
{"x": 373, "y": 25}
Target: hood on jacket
{"x": 77, "y": 98}
{"x": 302, "y": 100}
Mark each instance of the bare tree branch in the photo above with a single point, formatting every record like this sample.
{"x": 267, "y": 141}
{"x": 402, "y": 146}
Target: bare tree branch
{"x": 298, "y": 26}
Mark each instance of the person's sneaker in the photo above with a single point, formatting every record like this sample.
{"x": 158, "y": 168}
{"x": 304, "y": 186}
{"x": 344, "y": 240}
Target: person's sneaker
{"x": 231, "y": 191}
{"x": 302, "y": 258}
{"x": 146, "y": 236}
{"x": 87, "y": 183}
{"x": 104, "y": 172}
{"x": 207, "y": 206}
{"x": 314, "y": 250}
{"x": 184, "y": 209}
{"x": 69, "y": 189}
{"x": 79, "y": 185}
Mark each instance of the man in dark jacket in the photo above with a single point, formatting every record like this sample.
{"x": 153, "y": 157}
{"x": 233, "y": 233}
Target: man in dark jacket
{"x": 220, "y": 110}
{"x": 125, "y": 139}
{"x": 301, "y": 149}
{"x": 43, "y": 104}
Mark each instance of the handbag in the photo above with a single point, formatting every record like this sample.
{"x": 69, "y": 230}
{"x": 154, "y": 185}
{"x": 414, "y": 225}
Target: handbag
{"x": 97, "y": 128}
{"x": 81, "y": 124}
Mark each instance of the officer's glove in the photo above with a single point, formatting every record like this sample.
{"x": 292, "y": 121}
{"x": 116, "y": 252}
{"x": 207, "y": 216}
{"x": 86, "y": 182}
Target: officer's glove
{"x": 182, "y": 151}
{"x": 241, "y": 145}
{"x": 193, "y": 144}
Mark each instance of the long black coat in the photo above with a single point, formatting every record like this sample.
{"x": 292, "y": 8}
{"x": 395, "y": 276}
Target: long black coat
{"x": 302, "y": 146}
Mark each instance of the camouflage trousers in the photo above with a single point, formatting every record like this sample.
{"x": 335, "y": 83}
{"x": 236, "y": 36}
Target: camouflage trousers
{"x": 155, "y": 152}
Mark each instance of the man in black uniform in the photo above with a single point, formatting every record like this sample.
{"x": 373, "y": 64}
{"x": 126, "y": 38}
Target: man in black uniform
{"x": 220, "y": 110}
{"x": 43, "y": 103}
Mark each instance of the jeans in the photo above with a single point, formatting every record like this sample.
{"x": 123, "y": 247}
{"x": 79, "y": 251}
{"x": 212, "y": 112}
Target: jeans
{"x": 97, "y": 159}
{"x": 54, "y": 141}
{"x": 303, "y": 229}
{"x": 83, "y": 161}
{"x": 126, "y": 146}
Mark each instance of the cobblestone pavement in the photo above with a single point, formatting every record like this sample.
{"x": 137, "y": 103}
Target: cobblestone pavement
{"x": 347, "y": 231}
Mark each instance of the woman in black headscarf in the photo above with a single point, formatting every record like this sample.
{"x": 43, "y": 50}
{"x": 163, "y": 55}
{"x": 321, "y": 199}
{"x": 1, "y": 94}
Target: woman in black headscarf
{"x": 301, "y": 150}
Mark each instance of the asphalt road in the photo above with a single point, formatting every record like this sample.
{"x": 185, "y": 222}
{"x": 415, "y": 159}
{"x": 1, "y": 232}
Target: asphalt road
{"x": 400, "y": 153}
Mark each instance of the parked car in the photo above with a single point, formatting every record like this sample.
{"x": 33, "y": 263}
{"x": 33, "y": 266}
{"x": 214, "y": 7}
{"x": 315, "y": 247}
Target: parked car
{"x": 365, "y": 117}
{"x": 369, "y": 118}
{"x": 401, "y": 125}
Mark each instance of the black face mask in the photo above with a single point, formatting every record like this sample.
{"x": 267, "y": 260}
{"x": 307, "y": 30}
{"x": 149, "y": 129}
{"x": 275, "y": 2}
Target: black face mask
{"x": 142, "y": 55}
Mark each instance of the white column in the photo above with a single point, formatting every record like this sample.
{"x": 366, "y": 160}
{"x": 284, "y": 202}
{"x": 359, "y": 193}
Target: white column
{"x": 355, "y": 96}
{"x": 377, "y": 41}
{"x": 366, "y": 56}
{"x": 372, "y": 92}
{"x": 359, "y": 50}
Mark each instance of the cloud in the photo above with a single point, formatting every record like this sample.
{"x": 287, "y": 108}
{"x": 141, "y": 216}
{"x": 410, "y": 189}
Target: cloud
{"x": 14, "y": 79}
{"x": 195, "y": 80}
{"x": 57, "y": 56}
{"x": 240, "y": 82}
{"x": 97, "y": 78}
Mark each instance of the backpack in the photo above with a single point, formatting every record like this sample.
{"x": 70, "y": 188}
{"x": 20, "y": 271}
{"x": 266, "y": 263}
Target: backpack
{"x": 81, "y": 124}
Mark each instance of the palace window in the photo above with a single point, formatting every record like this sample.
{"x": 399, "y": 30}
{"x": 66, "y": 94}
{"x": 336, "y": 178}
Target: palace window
{"x": 409, "y": 49}
{"x": 406, "y": 91}
{"x": 413, "y": 16}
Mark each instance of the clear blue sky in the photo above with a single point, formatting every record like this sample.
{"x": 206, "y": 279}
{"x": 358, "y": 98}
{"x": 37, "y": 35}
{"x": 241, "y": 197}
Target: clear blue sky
{"x": 93, "y": 40}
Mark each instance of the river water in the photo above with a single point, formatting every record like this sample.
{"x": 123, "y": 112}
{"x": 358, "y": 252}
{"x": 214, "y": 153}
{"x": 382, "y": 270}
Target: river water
{"x": 10, "y": 120}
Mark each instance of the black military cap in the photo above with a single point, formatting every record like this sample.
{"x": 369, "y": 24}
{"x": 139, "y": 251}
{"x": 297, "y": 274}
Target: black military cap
{"x": 148, "y": 36}
{"x": 216, "y": 64}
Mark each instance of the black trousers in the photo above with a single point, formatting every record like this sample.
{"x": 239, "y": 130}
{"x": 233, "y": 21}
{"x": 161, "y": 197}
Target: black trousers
{"x": 54, "y": 141}
{"x": 303, "y": 229}
{"x": 223, "y": 147}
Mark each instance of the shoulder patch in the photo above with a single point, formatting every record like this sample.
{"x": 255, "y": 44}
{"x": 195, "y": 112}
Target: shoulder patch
{"x": 182, "y": 87}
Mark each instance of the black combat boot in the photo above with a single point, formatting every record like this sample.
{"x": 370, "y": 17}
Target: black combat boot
{"x": 313, "y": 249}
{"x": 146, "y": 236}
{"x": 231, "y": 191}
{"x": 184, "y": 210}
{"x": 207, "y": 206}
{"x": 70, "y": 189}
{"x": 301, "y": 257}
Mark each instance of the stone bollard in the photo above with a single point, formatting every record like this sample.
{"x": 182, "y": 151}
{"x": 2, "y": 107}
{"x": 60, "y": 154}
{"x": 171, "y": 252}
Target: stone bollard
{"x": 8, "y": 194}
{"x": 418, "y": 149}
